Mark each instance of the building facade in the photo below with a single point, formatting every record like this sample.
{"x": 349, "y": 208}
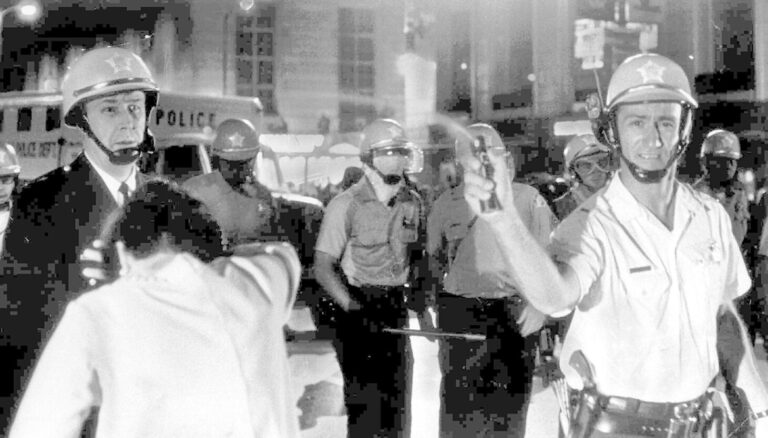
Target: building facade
{"x": 331, "y": 66}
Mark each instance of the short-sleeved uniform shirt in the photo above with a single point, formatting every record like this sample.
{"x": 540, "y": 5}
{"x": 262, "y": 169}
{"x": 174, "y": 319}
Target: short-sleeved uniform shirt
{"x": 474, "y": 258}
{"x": 372, "y": 239}
{"x": 647, "y": 315}
{"x": 570, "y": 201}
{"x": 734, "y": 201}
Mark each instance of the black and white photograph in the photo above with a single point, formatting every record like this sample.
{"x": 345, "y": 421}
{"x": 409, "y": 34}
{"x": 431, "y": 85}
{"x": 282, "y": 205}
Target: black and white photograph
{"x": 384, "y": 219}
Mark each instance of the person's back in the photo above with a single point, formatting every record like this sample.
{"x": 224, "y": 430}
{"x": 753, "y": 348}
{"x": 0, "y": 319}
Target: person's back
{"x": 174, "y": 346}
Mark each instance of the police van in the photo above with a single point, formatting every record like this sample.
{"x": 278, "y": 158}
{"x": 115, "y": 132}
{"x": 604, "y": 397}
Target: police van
{"x": 183, "y": 124}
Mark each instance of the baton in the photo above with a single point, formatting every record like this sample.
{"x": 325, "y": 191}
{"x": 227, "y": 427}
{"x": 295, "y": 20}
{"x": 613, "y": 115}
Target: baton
{"x": 435, "y": 333}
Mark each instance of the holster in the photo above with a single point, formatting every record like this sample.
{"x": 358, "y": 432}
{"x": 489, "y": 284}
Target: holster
{"x": 585, "y": 415}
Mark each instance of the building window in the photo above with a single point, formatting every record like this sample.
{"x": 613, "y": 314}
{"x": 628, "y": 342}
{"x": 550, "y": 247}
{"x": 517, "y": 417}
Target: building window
{"x": 255, "y": 56}
{"x": 356, "y": 67}
{"x": 52, "y": 118}
{"x": 24, "y": 120}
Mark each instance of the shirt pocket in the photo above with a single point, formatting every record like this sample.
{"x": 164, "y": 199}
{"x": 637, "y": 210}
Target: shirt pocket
{"x": 647, "y": 285}
{"x": 369, "y": 229}
{"x": 641, "y": 316}
{"x": 702, "y": 261}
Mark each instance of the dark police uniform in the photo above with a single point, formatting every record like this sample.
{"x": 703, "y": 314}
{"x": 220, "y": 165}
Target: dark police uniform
{"x": 55, "y": 218}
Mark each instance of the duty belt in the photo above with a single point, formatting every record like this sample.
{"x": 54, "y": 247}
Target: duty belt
{"x": 626, "y": 416}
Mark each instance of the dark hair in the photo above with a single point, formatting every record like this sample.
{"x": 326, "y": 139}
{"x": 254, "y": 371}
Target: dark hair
{"x": 160, "y": 216}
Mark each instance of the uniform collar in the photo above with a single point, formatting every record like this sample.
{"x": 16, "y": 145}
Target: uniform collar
{"x": 626, "y": 208}
{"x": 113, "y": 185}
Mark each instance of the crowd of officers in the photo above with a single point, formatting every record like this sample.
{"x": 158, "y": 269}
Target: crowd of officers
{"x": 637, "y": 271}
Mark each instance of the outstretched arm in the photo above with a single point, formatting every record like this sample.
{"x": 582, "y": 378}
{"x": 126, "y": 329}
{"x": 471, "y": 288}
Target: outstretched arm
{"x": 550, "y": 287}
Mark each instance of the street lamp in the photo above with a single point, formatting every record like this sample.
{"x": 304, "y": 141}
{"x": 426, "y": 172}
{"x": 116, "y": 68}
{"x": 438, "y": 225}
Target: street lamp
{"x": 27, "y": 11}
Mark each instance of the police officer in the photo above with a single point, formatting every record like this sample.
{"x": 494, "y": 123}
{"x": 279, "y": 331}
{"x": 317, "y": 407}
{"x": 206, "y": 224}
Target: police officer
{"x": 588, "y": 165}
{"x": 9, "y": 180}
{"x": 245, "y": 209}
{"x": 719, "y": 155}
{"x": 486, "y": 386}
{"x": 238, "y": 201}
{"x": 108, "y": 94}
{"x": 367, "y": 259}
{"x": 649, "y": 267}
{"x": 718, "y": 158}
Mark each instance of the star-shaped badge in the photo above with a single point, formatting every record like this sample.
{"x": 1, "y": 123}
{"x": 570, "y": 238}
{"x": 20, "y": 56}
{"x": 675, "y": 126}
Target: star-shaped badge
{"x": 120, "y": 63}
{"x": 651, "y": 72}
{"x": 236, "y": 140}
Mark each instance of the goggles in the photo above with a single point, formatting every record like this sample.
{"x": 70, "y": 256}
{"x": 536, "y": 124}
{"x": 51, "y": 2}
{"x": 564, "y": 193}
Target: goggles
{"x": 587, "y": 165}
{"x": 7, "y": 179}
{"x": 414, "y": 155}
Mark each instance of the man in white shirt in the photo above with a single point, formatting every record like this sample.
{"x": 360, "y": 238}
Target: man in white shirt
{"x": 108, "y": 93}
{"x": 648, "y": 266}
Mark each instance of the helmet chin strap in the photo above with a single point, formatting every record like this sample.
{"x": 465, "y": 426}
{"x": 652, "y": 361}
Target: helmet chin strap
{"x": 121, "y": 157}
{"x": 390, "y": 179}
{"x": 651, "y": 176}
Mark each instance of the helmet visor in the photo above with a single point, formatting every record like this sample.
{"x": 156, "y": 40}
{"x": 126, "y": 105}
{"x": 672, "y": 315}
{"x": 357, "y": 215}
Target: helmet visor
{"x": 412, "y": 156}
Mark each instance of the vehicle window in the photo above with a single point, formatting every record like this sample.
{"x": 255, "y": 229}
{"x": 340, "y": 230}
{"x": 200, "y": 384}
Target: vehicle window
{"x": 180, "y": 162}
{"x": 24, "y": 121}
{"x": 52, "y": 118}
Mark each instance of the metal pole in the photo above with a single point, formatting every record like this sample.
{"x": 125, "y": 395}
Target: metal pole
{"x": 435, "y": 333}
{"x": 2, "y": 18}
{"x": 597, "y": 84}
{"x": 224, "y": 52}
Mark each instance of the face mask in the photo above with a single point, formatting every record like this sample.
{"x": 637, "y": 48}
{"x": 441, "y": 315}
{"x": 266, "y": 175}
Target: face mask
{"x": 390, "y": 168}
{"x": 390, "y": 179}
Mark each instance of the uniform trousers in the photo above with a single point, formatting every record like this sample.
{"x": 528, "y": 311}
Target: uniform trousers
{"x": 486, "y": 385}
{"x": 375, "y": 364}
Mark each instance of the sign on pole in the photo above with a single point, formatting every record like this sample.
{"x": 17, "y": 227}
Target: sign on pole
{"x": 590, "y": 40}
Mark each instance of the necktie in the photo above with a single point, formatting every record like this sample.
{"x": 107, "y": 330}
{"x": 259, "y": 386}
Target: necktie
{"x": 124, "y": 191}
